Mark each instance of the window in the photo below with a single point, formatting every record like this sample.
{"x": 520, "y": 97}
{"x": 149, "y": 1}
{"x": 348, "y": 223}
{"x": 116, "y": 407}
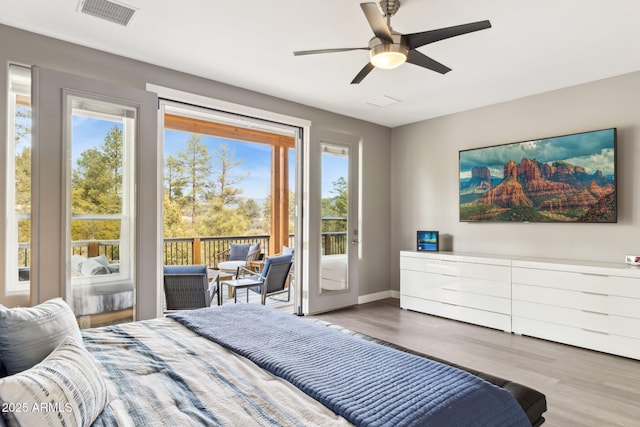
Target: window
{"x": 18, "y": 179}
{"x": 101, "y": 195}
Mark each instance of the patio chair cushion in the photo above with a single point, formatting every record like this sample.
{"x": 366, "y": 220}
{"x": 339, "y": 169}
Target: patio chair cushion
{"x": 239, "y": 251}
{"x": 268, "y": 262}
{"x": 185, "y": 269}
{"x": 231, "y": 266}
{"x": 254, "y": 248}
{"x": 92, "y": 267}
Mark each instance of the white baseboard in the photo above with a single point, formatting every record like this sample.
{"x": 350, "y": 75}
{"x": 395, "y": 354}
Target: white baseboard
{"x": 363, "y": 299}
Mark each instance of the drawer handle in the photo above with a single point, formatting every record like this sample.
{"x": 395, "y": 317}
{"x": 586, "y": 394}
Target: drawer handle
{"x": 595, "y": 332}
{"x": 449, "y": 289}
{"x": 595, "y": 312}
{"x": 448, "y": 303}
{"x": 595, "y": 293}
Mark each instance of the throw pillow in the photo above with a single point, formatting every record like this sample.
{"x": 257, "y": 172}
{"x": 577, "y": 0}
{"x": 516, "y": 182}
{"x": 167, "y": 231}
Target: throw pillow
{"x": 29, "y": 334}
{"x": 239, "y": 251}
{"x": 65, "y": 389}
{"x": 287, "y": 250}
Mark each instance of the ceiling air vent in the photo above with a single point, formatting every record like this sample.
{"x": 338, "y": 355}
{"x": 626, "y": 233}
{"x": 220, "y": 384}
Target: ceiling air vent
{"x": 108, "y": 10}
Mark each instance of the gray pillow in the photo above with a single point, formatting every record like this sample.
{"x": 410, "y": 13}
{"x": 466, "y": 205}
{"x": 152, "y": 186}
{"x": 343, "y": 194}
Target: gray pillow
{"x": 29, "y": 334}
{"x": 239, "y": 251}
{"x": 92, "y": 267}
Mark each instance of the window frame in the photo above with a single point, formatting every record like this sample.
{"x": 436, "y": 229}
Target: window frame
{"x": 127, "y": 243}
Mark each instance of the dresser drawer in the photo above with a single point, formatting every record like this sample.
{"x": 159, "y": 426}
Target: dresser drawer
{"x": 614, "y": 344}
{"x": 580, "y": 300}
{"x": 415, "y": 282}
{"x": 482, "y": 302}
{"x": 456, "y": 312}
{"x": 500, "y": 273}
{"x": 588, "y": 282}
{"x": 580, "y": 319}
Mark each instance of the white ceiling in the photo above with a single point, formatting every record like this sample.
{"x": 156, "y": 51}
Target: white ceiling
{"x": 534, "y": 46}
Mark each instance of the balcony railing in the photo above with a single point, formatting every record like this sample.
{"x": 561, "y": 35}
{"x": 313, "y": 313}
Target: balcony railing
{"x": 185, "y": 250}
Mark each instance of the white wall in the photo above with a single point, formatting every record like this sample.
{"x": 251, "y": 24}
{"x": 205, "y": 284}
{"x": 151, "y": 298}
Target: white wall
{"x": 425, "y": 180}
{"x": 30, "y": 49}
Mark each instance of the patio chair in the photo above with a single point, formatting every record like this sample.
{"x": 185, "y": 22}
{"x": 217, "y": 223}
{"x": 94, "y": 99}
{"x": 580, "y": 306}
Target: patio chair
{"x": 187, "y": 287}
{"x": 272, "y": 278}
{"x": 239, "y": 255}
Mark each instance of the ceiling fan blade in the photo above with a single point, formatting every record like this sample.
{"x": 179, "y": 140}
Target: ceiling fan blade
{"x": 313, "y": 52}
{"x": 376, "y": 21}
{"x": 420, "y": 39}
{"x": 363, "y": 73}
{"x": 417, "y": 58}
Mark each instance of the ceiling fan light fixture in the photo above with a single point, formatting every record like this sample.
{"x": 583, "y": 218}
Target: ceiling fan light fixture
{"x": 388, "y": 56}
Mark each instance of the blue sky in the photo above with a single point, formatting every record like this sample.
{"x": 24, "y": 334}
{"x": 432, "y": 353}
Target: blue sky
{"x": 256, "y": 158}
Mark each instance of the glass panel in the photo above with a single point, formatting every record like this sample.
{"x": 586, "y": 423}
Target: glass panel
{"x": 18, "y": 191}
{"x": 227, "y": 179}
{"x": 334, "y": 215}
{"x": 101, "y": 204}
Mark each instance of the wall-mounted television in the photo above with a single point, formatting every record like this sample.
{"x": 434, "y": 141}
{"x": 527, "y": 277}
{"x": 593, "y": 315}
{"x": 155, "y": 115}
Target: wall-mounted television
{"x": 569, "y": 178}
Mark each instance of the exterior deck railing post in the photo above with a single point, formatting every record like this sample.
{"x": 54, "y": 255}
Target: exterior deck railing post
{"x": 197, "y": 258}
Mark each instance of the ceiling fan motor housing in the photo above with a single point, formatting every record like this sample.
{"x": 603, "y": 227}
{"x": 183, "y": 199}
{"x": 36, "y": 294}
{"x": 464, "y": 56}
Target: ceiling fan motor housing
{"x": 389, "y": 7}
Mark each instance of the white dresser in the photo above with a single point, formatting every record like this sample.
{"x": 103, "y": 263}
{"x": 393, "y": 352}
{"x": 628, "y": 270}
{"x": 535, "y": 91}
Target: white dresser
{"x": 590, "y": 305}
{"x": 474, "y": 289}
{"x": 586, "y": 304}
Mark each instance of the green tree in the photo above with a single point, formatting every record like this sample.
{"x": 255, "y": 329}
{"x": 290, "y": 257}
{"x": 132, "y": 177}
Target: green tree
{"x": 221, "y": 220}
{"x": 173, "y": 224}
{"x": 23, "y": 170}
{"x": 97, "y": 178}
{"x": 196, "y": 164}
{"x": 97, "y": 188}
{"x": 251, "y": 210}
{"x": 175, "y": 179}
{"x": 224, "y": 180}
{"x": 336, "y": 207}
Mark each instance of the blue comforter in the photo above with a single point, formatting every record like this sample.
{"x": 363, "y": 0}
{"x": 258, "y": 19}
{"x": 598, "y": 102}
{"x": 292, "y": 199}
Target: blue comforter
{"x": 367, "y": 383}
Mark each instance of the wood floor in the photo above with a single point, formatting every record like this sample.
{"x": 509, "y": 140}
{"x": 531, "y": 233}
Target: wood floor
{"x": 583, "y": 388}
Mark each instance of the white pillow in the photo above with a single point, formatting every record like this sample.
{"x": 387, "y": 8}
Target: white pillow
{"x": 65, "y": 389}
{"x": 29, "y": 334}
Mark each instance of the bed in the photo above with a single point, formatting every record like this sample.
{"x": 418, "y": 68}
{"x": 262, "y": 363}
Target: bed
{"x": 248, "y": 364}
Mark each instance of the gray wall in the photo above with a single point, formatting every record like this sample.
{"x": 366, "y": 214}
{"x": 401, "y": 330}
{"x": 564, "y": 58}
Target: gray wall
{"x": 30, "y": 49}
{"x": 424, "y": 173}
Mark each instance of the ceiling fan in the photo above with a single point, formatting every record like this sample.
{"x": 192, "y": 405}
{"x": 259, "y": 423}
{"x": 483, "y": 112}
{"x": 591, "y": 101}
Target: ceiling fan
{"x": 389, "y": 49}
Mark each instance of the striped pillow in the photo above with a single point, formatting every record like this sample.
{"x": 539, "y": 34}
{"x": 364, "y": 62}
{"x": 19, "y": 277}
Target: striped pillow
{"x": 65, "y": 389}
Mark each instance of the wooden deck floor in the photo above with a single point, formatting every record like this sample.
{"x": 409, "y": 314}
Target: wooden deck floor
{"x": 583, "y": 387}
